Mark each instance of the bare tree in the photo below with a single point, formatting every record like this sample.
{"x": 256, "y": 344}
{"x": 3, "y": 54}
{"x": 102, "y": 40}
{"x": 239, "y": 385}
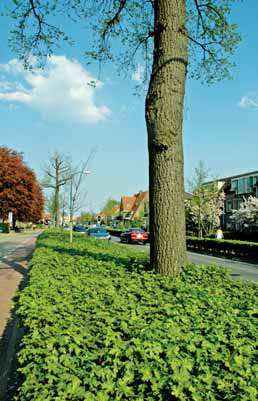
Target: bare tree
{"x": 57, "y": 174}
{"x": 77, "y": 175}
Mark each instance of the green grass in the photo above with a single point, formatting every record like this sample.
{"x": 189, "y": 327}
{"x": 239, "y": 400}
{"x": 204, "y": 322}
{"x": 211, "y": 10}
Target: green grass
{"x": 101, "y": 325}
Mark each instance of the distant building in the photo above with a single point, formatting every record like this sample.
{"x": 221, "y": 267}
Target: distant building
{"x": 236, "y": 189}
{"x": 108, "y": 217}
{"x": 136, "y": 207}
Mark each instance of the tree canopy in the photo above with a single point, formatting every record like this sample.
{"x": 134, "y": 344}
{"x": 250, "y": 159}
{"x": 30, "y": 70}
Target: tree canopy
{"x": 204, "y": 209}
{"x": 20, "y": 192}
{"x": 170, "y": 39}
{"x": 130, "y": 24}
{"x": 110, "y": 207}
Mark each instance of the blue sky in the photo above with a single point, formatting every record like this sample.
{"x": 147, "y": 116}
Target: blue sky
{"x": 220, "y": 127}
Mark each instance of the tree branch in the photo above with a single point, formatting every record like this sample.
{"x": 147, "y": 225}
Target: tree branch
{"x": 114, "y": 20}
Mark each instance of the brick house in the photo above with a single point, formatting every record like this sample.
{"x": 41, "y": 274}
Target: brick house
{"x": 126, "y": 207}
{"x": 137, "y": 206}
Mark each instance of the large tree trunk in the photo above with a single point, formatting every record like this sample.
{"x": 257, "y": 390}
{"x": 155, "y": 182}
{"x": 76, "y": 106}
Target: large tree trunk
{"x": 164, "y": 116}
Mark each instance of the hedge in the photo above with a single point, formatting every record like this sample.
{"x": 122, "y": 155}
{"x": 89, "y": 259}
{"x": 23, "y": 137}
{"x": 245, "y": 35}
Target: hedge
{"x": 100, "y": 325}
{"x": 224, "y": 247}
{"x": 250, "y": 235}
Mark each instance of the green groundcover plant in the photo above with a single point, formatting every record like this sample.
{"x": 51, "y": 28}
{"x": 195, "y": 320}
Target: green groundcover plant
{"x": 101, "y": 326}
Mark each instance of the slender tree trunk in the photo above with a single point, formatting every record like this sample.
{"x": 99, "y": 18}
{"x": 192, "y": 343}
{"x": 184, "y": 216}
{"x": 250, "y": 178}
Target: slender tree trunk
{"x": 164, "y": 116}
{"x": 57, "y": 198}
{"x": 199, "y": 221}
{"x": 57, "y": 206}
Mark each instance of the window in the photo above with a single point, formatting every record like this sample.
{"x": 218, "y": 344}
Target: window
{"x": 238, "y": 203}
{"x": 241, "y": 186}
{"x": 249, "y": 184}
{"x": 229, "y": 206}
{"x": 244, "y": 185}
{"x": 234, "y": 185}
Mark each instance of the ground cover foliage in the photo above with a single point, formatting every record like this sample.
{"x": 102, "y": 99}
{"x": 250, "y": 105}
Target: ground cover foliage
{"x": 101, "y": 326}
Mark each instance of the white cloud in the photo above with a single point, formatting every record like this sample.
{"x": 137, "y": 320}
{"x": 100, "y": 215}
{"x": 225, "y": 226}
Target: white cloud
{"x": 138, "y": 73}
{"x": 62, "y": 90}
{"x": 251, "y": 100}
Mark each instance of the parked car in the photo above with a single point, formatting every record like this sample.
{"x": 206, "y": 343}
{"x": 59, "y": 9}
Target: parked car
{"x": 134, "y": 235}
{"x": 99, "y": 232}
{"x": 80, "y": 228}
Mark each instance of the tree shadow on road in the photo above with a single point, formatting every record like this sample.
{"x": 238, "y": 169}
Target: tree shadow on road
{"x": 17, "y": 262}
{"x": 15, "y": 265}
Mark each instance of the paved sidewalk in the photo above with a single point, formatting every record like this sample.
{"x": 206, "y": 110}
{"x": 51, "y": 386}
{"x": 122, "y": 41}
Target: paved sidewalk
{"x": 15, "y": 251}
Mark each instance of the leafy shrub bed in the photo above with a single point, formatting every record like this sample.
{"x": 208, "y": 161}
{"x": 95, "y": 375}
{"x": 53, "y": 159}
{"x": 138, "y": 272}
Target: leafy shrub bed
{"x": 100, "y": 326}
{"x": 224, "y": 247}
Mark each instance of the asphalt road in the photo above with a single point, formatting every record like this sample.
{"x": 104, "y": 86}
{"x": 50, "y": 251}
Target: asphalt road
{"x": 238, "y": 269}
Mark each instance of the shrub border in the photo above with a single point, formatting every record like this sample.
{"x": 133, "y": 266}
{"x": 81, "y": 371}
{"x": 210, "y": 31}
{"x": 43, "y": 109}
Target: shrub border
{"x": 227, "y": 248}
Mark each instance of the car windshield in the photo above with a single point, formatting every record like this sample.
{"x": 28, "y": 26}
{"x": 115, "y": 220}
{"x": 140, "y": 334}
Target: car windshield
{"x": 137, "y": 230}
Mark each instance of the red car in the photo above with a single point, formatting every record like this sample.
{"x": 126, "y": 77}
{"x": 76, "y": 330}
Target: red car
{"x": 134, "y": 235}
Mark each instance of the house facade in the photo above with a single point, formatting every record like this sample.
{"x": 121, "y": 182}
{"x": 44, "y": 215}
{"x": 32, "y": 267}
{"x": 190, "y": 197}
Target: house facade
{"x": 134, "y": 207}
{"x": 236, "y": 189}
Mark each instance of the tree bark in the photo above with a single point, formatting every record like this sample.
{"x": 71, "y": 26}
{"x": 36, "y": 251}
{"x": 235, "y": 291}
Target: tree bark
{"x": 164, "y": 117}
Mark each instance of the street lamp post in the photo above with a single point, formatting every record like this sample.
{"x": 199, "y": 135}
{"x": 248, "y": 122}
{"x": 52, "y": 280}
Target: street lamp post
{"x": 71, "y": 200}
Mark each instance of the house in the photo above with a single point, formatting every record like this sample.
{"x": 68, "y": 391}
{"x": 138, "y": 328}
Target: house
{"x": 126, "y": 207}
{"x": 141, "y": 205}
{"x": 136, "y": 207}
{"x": 236, "y": 189}
{"x": 107, "y": 217}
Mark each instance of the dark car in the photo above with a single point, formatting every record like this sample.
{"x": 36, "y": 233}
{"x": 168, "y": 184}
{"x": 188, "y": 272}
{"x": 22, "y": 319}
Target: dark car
{"x": 99, "y": 232}
{"x": 134, "y": 235}
{"x": 80, "y": 228}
